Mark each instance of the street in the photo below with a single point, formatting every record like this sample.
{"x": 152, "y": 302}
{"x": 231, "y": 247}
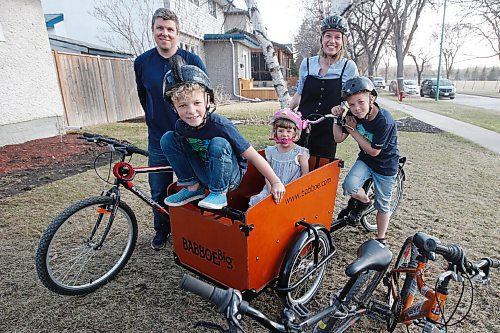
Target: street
{"x": 478, "y": 101}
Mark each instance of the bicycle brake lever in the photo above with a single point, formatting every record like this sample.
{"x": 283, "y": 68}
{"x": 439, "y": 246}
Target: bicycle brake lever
{"x": 453, "y": 273}
{"x": 481, "y": 278}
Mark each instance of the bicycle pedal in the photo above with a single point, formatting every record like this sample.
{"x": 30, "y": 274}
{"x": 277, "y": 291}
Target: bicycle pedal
{"x": 300, "y": 310}
{"x": 379, "y": 310}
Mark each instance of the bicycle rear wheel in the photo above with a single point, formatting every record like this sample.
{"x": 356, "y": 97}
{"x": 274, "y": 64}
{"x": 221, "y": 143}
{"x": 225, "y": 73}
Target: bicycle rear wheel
{"x": 74, "y": 257}
{"x": 369, "y": 221}
{"x": 406, "y": 258}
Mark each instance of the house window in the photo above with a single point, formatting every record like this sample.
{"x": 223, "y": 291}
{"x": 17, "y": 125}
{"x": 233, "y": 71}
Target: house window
{"x": 212, "y": 8}
{"x": 259, "y": 68}
{"x": 196, "y": 2}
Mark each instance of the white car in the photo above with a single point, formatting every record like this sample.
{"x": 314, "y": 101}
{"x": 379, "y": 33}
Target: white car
{"x": 411, "y": 87}
{"x": 379, "y": 82}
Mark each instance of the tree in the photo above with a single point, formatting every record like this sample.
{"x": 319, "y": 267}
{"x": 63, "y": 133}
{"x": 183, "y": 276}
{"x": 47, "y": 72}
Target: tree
{"x": 453, "y": 40}
{"x": 371, "y": 25}
{"x": 494, "y": 74}
{"x": 405, "y": 15}
{"x": 260, "y": 33}
{"x": 129, "y": 23}
{"x": 484, "y": 21}
{"x": 422, "y": 59}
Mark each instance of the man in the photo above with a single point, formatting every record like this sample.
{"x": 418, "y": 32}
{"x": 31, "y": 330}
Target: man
{"x": 150, "y": 68}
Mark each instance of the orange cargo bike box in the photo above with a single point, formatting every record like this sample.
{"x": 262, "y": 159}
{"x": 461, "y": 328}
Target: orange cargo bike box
{"x": 283, "y": 245}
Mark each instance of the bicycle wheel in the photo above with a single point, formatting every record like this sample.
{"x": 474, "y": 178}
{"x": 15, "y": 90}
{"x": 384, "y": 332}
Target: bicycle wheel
{"x": 347, "y": 315}
{"x": 406, "y": 258}
{"x": 299, "y": 262}
{"x": 369, "y": 221}
{"x": 72, "y": 256}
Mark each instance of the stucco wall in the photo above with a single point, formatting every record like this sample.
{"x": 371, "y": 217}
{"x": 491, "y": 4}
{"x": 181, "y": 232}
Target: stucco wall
{"x": 30, "y": 104}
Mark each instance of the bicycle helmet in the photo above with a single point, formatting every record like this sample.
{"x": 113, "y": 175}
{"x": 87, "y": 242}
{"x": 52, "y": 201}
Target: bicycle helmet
{"x": 356, "y": 85}
{"x": 294, "y": 117}
{"x": 181, "y": 74}
{"x": 334, "y": 22}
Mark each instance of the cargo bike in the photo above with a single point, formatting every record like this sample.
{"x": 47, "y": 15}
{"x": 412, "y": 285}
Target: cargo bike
{"x": 285, "y": 246}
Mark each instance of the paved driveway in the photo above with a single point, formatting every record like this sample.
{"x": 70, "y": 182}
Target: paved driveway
{"x": 479, "y": 135}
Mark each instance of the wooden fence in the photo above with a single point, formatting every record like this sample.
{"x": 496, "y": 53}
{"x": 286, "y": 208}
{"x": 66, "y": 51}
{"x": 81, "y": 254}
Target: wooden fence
{"x": 96, "y": 90}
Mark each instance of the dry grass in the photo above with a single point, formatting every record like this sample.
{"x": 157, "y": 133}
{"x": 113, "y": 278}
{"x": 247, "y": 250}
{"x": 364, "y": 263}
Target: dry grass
{"x": 451, "y": 192}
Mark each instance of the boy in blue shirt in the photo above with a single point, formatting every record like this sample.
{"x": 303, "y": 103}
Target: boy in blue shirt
{"x": 206, "y": 150}
{"x": 375, "y": 131}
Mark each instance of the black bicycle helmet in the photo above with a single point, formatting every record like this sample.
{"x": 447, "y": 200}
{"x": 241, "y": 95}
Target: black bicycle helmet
{"x": 356, "y": 85}
{"x": 181, "y": 73}
{"x": 334, "y": 22}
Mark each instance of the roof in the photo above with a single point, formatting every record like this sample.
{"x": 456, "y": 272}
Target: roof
{"x": 286, "y": 47}
{"x": 235, "y": 36}
{"x": 52, "y": 19}
{"x": 60, "y": 43}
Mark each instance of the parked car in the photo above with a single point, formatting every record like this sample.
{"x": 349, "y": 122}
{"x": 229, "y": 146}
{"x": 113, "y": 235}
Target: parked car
{"x": 411, "y": 87}
{"x": 379, "y": 82}
{"x": 446, "y": 88}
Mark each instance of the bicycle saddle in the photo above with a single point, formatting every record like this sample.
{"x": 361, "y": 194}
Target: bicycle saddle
{"x": 372, "y": 255}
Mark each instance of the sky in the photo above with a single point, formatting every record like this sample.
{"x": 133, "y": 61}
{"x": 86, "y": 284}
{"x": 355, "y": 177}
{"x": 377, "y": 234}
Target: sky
{"x": 282, "y": 19}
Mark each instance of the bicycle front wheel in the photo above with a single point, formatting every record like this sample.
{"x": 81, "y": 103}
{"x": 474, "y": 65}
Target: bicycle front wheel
{"x": 85, "y": 247}
{"x": 368, "y": 221}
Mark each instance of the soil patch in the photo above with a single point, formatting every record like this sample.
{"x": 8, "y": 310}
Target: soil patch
{"x": 38, "y": 162}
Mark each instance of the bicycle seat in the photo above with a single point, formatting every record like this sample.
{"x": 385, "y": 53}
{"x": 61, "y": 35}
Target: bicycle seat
{"x": 372, "y": 255}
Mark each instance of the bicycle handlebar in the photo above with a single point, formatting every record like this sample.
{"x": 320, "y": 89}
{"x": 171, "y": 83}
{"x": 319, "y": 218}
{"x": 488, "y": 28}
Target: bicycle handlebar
{"x": 217, "y": 296}
{"x": 129, "y": 148}
{"x": 229, "y": 302}
{"x": 427, "y": 245}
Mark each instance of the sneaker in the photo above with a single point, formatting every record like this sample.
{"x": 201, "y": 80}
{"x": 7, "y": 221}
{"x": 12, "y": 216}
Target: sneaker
{"x": 214, "y": 201}
{"x": 361, "y": 207}
{"x": 184, "y": 196}
{"x": 159, "y": 241}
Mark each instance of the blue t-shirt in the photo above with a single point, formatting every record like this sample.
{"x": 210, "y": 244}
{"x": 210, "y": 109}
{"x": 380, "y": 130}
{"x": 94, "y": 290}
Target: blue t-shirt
{"x": 382, "y": 133}
{"x": 334, "y": 71}
{"x": 150, "y": 68}
{"x": 215, "y": 126}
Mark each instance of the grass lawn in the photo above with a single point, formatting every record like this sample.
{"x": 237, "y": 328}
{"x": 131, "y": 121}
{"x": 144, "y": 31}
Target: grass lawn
{"x": 484, "y": 118}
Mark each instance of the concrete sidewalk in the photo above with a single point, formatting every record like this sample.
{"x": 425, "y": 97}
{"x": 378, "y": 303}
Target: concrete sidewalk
{"x": 476, "y": 134}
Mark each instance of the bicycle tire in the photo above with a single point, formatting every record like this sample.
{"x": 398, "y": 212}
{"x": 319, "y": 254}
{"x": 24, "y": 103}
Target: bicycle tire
{"x": 406, "y": 258}
{"x": 358, "y": 296}
{"x": 368, "y": 221}
{"x": 298, "y": 262}
{"x": 69, "y": 260}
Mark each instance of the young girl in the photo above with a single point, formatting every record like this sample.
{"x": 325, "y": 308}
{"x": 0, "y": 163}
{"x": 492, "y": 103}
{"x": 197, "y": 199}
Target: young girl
{"x": 288, "y": 160}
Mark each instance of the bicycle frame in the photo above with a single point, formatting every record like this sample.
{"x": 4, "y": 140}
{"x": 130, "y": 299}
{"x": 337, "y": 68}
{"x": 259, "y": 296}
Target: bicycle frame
{"x": 124, "y": 174}
{"x": 434, "y": 301}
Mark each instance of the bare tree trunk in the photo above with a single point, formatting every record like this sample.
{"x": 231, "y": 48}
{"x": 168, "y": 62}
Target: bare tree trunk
{"x": 260, "y": 33}
{"x": 403, "y": 12}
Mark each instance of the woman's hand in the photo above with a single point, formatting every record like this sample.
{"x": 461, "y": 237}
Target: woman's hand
{"x": 278, "y": 191}
{"x": 337, "y": 111}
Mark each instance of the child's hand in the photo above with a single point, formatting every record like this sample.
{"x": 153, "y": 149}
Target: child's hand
{"x": 350, "y": 123}
{"x": 337, "y": 110}
{"x": 278, "y": 191}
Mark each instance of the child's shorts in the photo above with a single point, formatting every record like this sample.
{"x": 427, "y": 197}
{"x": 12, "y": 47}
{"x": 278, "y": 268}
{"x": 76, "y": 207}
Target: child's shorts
{"x": 382, "y": 185}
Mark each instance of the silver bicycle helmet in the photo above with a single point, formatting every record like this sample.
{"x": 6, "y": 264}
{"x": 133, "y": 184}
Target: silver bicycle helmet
{"x": 334, "y": 22}
{"x": 356, "y": 85}
{"x": 181, "y": 74}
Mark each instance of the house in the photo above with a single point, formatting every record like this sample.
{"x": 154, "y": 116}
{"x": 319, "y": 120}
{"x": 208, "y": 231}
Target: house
{"x": 30, "y": 105}
{"x": 215, "y": 30}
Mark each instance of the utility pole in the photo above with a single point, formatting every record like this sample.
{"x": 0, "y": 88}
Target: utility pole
{"x": 440, "y": 53}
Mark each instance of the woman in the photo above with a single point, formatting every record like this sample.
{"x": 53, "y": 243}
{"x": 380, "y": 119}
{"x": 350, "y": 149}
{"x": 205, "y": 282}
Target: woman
{"x": 320, "y": 84}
